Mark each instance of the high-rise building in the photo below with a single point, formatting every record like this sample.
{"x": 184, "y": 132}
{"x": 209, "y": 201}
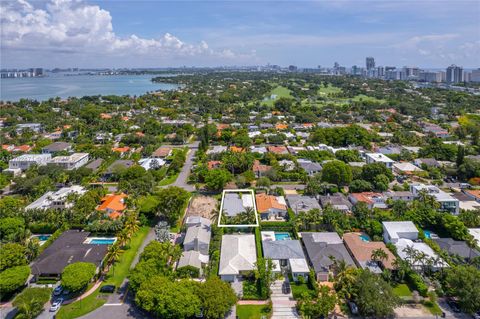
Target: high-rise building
{"x": 429, "y": 76}
{"x": 454, "y": 74}
{"x": 475, "y": 75}
{"x": 370, "y": 63}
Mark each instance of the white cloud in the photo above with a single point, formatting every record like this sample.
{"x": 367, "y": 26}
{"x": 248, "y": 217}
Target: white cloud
{"x": 73, "y": 26}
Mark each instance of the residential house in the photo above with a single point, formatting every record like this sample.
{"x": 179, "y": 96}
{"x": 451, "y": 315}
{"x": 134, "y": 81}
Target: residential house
{"x": 214, "y": 164}
{"x": 406, "y": 168}
{"x": 151, "y": 163}
{"x": 361, "y": 248}
{"x": 337, "y": 201}
{"x": 34, "y": 127}
{"x": 217, "y": 149}
{"x": 473, "y": 194}
{"x": 23, "y": 162}
{"x": 57, "y": 147}
{"x": 322, "y": 250}
{"x": 70, "y": 247}
{"x": 428, "y": 162}
{"x": 372, "y": 199}
{"x": 393, "y": 231}
{"x": 234, "y": 203}
{"x": 58, "y": 199}
{"x": 379, "y": 158}
{"x": 196, "y": 242}
{"x": 123, "y": 151}
{"x": 95, "y": 164}
{"x": 260, "y": 169}
{"x": 310, "y": 167}
{"x": 302, "y": 203}
{"x": 400, "y": 195}
{"x": 271, "y": 207}
{"x": 70, "y": 162}
{"x": 475, "y": 232}
{"x": 237, "y": 256}
{"x": 286, "y": 254}
{"x": 258, "y": 149}
{"x": 116, "y": 167}
{"x": 287, "y": 165}
{"x": 457, "y": 248}
{"x": 113, "y": 205}
{"x": 466, "y": 202}
{"x": 446, "y": 201}
{"x": 162, "y": 152}
{"x": 280, "y": 150}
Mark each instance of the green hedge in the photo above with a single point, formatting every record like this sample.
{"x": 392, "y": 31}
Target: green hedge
{"x": 258, "y": 242}
{"x": 416, "y": 282}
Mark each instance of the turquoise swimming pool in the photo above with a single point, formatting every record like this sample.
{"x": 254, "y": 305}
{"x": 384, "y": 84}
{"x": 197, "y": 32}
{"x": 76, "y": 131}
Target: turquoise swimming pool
{"x": 102, "y": 241}
{"x": 428, "y": 234}
{"x": 282, "y": 236}
{"x": 42, "y": 237}
{"x": 364, "y": 237}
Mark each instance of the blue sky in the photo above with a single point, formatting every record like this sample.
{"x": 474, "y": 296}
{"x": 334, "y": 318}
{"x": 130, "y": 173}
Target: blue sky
{"x": 304, "y": 33}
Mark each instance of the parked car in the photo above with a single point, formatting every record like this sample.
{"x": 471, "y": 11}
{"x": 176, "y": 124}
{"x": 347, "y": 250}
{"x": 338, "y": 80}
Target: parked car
{"x": 108, "y": 289}
{"x": 58, "y": 291}
{"x": 56, "y": 305}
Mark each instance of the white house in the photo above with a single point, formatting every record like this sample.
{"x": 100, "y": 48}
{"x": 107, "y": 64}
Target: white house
{"x": 23, "y": 162}
{"x": 151, "y": 163}
{"x": 404, "y": 245}
{"x": 58, "y": 199}
{"x": 196, "y": 242}
{"x": 393, "y": 231}
{"x": 70, "y": 162}
{"x": 238, "y": 255}
{"x": 447, "y": 202}
{"x": 379, "y": 158}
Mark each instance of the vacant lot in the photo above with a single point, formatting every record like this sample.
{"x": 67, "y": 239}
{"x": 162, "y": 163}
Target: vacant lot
{"x": 202, "y": 206}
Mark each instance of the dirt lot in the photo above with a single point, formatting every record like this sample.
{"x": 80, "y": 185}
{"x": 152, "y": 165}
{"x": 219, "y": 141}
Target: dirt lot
{"x": 202, "y": 206}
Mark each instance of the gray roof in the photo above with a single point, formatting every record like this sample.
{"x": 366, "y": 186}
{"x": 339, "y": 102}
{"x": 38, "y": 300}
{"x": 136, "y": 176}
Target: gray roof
{"x": 200, "y": 232}
{"x": 457, "y": 247}
{"x": 300, "y": 203}
{"x": 282, "y": 249}
{"x": 321, "y": 246}
{"x": 56, "y": 147}
{"x": 68, "y": 248}
{"x": 94, "y": 165}
{"x": 309, "y": 166}
{"x": 233, "y": 204}
{"x": 335, "y": 200}
{"x": 119, "y": 163}
{"x": 190, "y": 258}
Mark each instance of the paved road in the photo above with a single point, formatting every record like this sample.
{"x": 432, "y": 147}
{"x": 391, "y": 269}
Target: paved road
{"x": 182, "y": 179}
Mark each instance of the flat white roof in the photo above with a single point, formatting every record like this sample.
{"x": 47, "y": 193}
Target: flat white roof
{"x": 68, "y": 159}
{"x": 299, "y": 265}
{"x": 393, "y": 228}
{"x": 475, "y": 232}
{"x": 30, "y": 157}
{"x": 403, "y": 243}
{"x": 379, "y": 157}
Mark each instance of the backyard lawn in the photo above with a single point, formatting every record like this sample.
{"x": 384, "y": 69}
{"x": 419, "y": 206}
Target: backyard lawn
{"x": 402, "y": 290}
{"x": 168, "y": 180}
{"x": 253, "y": 311}
{"x": 115, "y": 276}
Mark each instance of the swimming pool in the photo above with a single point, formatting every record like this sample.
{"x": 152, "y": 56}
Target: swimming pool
{"x": 364, "y": 237}
{"x": 42, "y": 237}
{"x": 428, "y": 234}
{"x": 100, "y": 241}
{"x": 282, "y": 236}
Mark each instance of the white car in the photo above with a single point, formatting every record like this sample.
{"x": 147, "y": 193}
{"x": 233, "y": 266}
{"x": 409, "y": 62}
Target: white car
{"x": 56, "y": 305}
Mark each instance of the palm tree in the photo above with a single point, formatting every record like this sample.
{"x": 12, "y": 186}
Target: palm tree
{"x": 113, "y": 255}
{"x": 379, "y": 255}
{"x": 132, "y": 224}
{"x": 344, "y": 277}
{"x": 123, "y": 238}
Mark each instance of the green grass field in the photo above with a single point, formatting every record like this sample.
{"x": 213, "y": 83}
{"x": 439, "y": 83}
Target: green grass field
{"x": 115, "y": 276}
{"x": 279, "y": 91}
{"x": 168, "y": 180}
{"x": 330, "y": 89}
{"x": 252, "y": 311}
{"x": 402, "y": 290}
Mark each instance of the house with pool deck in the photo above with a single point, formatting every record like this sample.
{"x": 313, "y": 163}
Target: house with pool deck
{"x": 287, "y": 254}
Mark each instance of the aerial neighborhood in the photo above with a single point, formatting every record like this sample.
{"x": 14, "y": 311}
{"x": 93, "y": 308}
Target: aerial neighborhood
{"x": 243, "y": 195}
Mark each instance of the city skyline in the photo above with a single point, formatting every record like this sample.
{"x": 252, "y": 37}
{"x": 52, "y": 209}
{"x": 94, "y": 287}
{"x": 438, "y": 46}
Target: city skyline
{"x": 107, "y": 34}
